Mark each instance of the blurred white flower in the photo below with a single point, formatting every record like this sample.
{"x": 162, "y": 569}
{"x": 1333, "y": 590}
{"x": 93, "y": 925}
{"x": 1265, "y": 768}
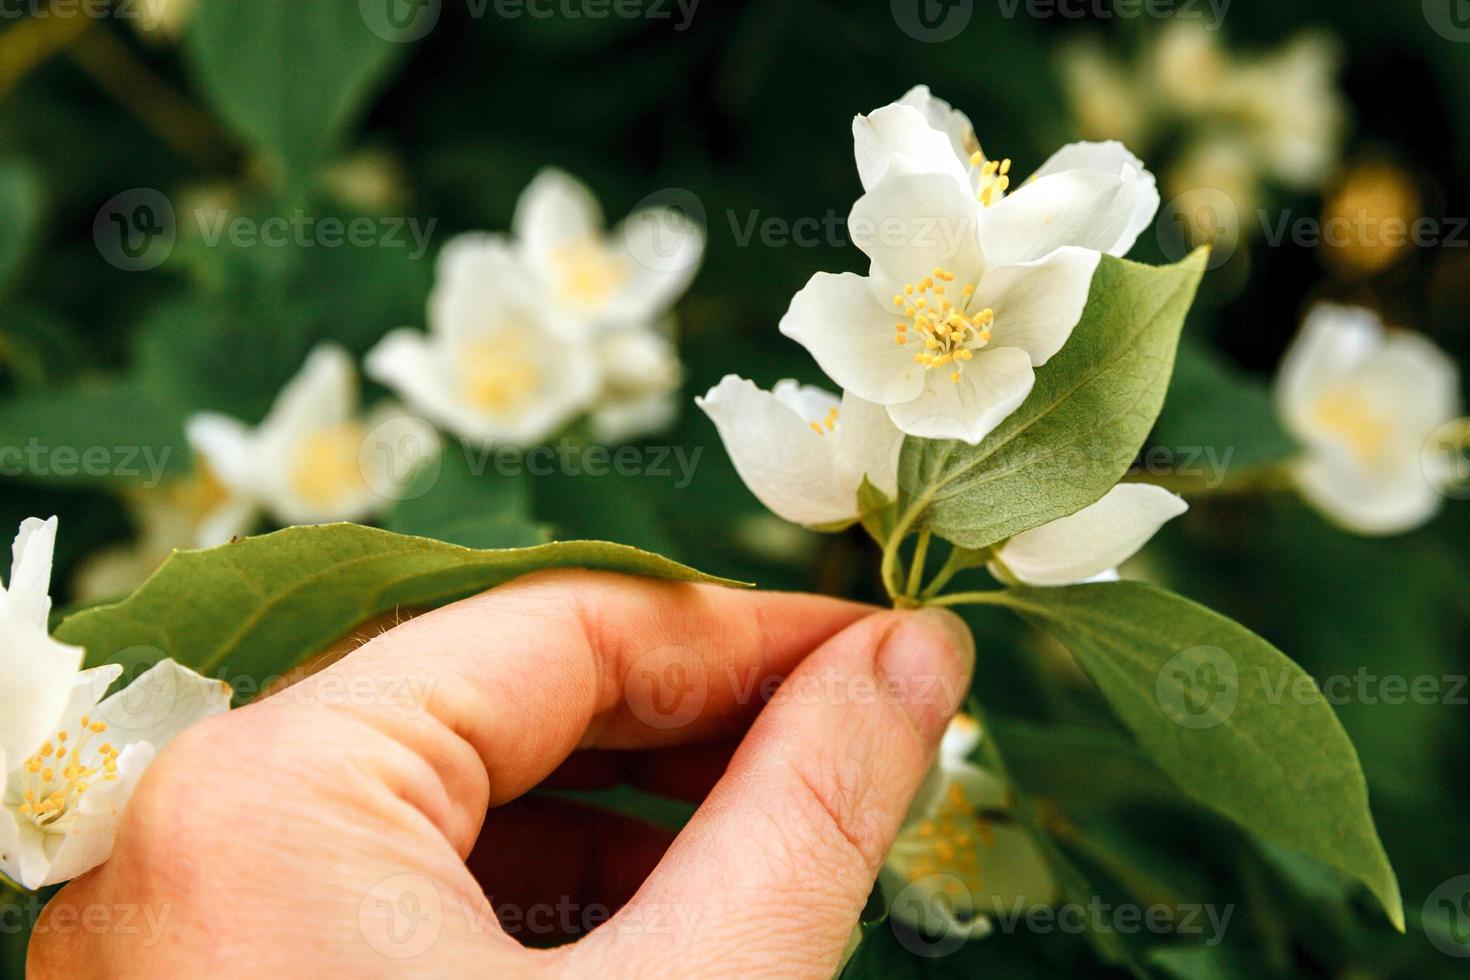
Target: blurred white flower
{"x": 803, "y": 452}
{"x": 1104, "y": 97}
{"x": 641, "y": 375}
{"x": 159, "y": 20}
{"x": 69, "y": 758}
{"x": 1088, "y": 546}
{"x": 312, "y": 460}
{"x": 194, "y": 512}
{"x": 1364, "y": 402}
{"x": 497, "y": 366}
{"x": 629, "y": 278}
{"x": 960, "y": 858}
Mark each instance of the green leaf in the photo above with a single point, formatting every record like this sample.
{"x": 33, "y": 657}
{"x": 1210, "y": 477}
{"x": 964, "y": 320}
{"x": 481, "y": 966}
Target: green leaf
{"x": 876, "y": 512}
{"x": 92, "y": 434}
{"x": 289, "y": 76}
{"x": 1080, "y": 429}
{"x": 1234, "y": 722}
{"x": 256, "y": 608}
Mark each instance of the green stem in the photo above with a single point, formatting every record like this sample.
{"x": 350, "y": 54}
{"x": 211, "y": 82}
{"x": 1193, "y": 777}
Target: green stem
{"x": 891, "y": 575}
{"x": 952, "y": 566}
{"x": 991, "y": 597}
{"x": 916, "y": 568}
{"x": 1252, "y": 481}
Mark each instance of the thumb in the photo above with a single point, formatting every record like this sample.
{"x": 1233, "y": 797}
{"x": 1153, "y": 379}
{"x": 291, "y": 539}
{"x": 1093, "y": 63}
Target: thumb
{"x": 772, "y": 872}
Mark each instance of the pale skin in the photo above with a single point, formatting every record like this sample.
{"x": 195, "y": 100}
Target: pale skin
{"x": 349, "y": 826}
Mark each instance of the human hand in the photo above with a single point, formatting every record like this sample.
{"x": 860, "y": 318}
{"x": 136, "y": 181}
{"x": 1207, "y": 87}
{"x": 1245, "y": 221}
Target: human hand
{"x": 371, "y": 819}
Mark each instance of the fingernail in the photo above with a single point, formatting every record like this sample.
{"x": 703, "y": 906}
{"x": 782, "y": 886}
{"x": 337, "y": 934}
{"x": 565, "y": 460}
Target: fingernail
{"x": 926, "y": 662}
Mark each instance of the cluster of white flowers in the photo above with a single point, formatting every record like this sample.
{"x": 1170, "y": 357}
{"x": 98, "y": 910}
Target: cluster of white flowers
{"x": 527, "y": 332}
{"x": 942, "y": 338}
{"x": 70, "y": 755}
{"x": 1364, "y": 402}
{"x": 561, "y": 320}
{"x": 1247, "y": 119}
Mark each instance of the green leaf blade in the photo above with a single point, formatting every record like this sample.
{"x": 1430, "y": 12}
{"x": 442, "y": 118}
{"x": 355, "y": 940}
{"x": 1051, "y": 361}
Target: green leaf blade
{"x": 259, "y": 607}
{"x": 1237, "y": 725}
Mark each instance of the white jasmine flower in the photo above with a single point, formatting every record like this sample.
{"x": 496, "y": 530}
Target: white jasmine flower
{"x": 1093, "y": 195}
{"x": 1089, "y": 545}
{"x": 803, "y": 452}
{"x": 627, "y": 278}
{"x": 498, "y": 365}
{"x": 1364, "y": 402}
{"x": 311, "y": 461}
{"x": 969, "y": 288}
{"x": 641, "y": 375}
{"x": 69, "y": 758}
{"x": 960, "y": 857}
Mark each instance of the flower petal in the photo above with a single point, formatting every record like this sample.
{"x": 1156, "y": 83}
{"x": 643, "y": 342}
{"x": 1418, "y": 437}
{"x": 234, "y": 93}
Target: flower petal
{"x": 27, "y": 594}
{"x": 1333, "y": 342}
{"x": 992, "y": 386}
{"x": 1088, "y": 543}
{"x": 838, "y": 319}
{"x": 37, "y": 674}
{"x": 661, "y": 249}
{"x": 163, "y": 701}
{"x": 868, "y": 444}
{"x": 903, "y": 131}
{"x": 323, "y": 393}
{"x": 1086, "y": 208}
{"x": 1038, "y": 304}
{"x": 554, "y": 209}
{"x": 50, "y": 859}
{"x": 945, "y": 118}
{"x": 228, "y": 448}
{"x": 909, "y": 224}
{"x": 1392, "y": 501}
{"x": 787, "y": 465}
{"x": 1112, "y": 157}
